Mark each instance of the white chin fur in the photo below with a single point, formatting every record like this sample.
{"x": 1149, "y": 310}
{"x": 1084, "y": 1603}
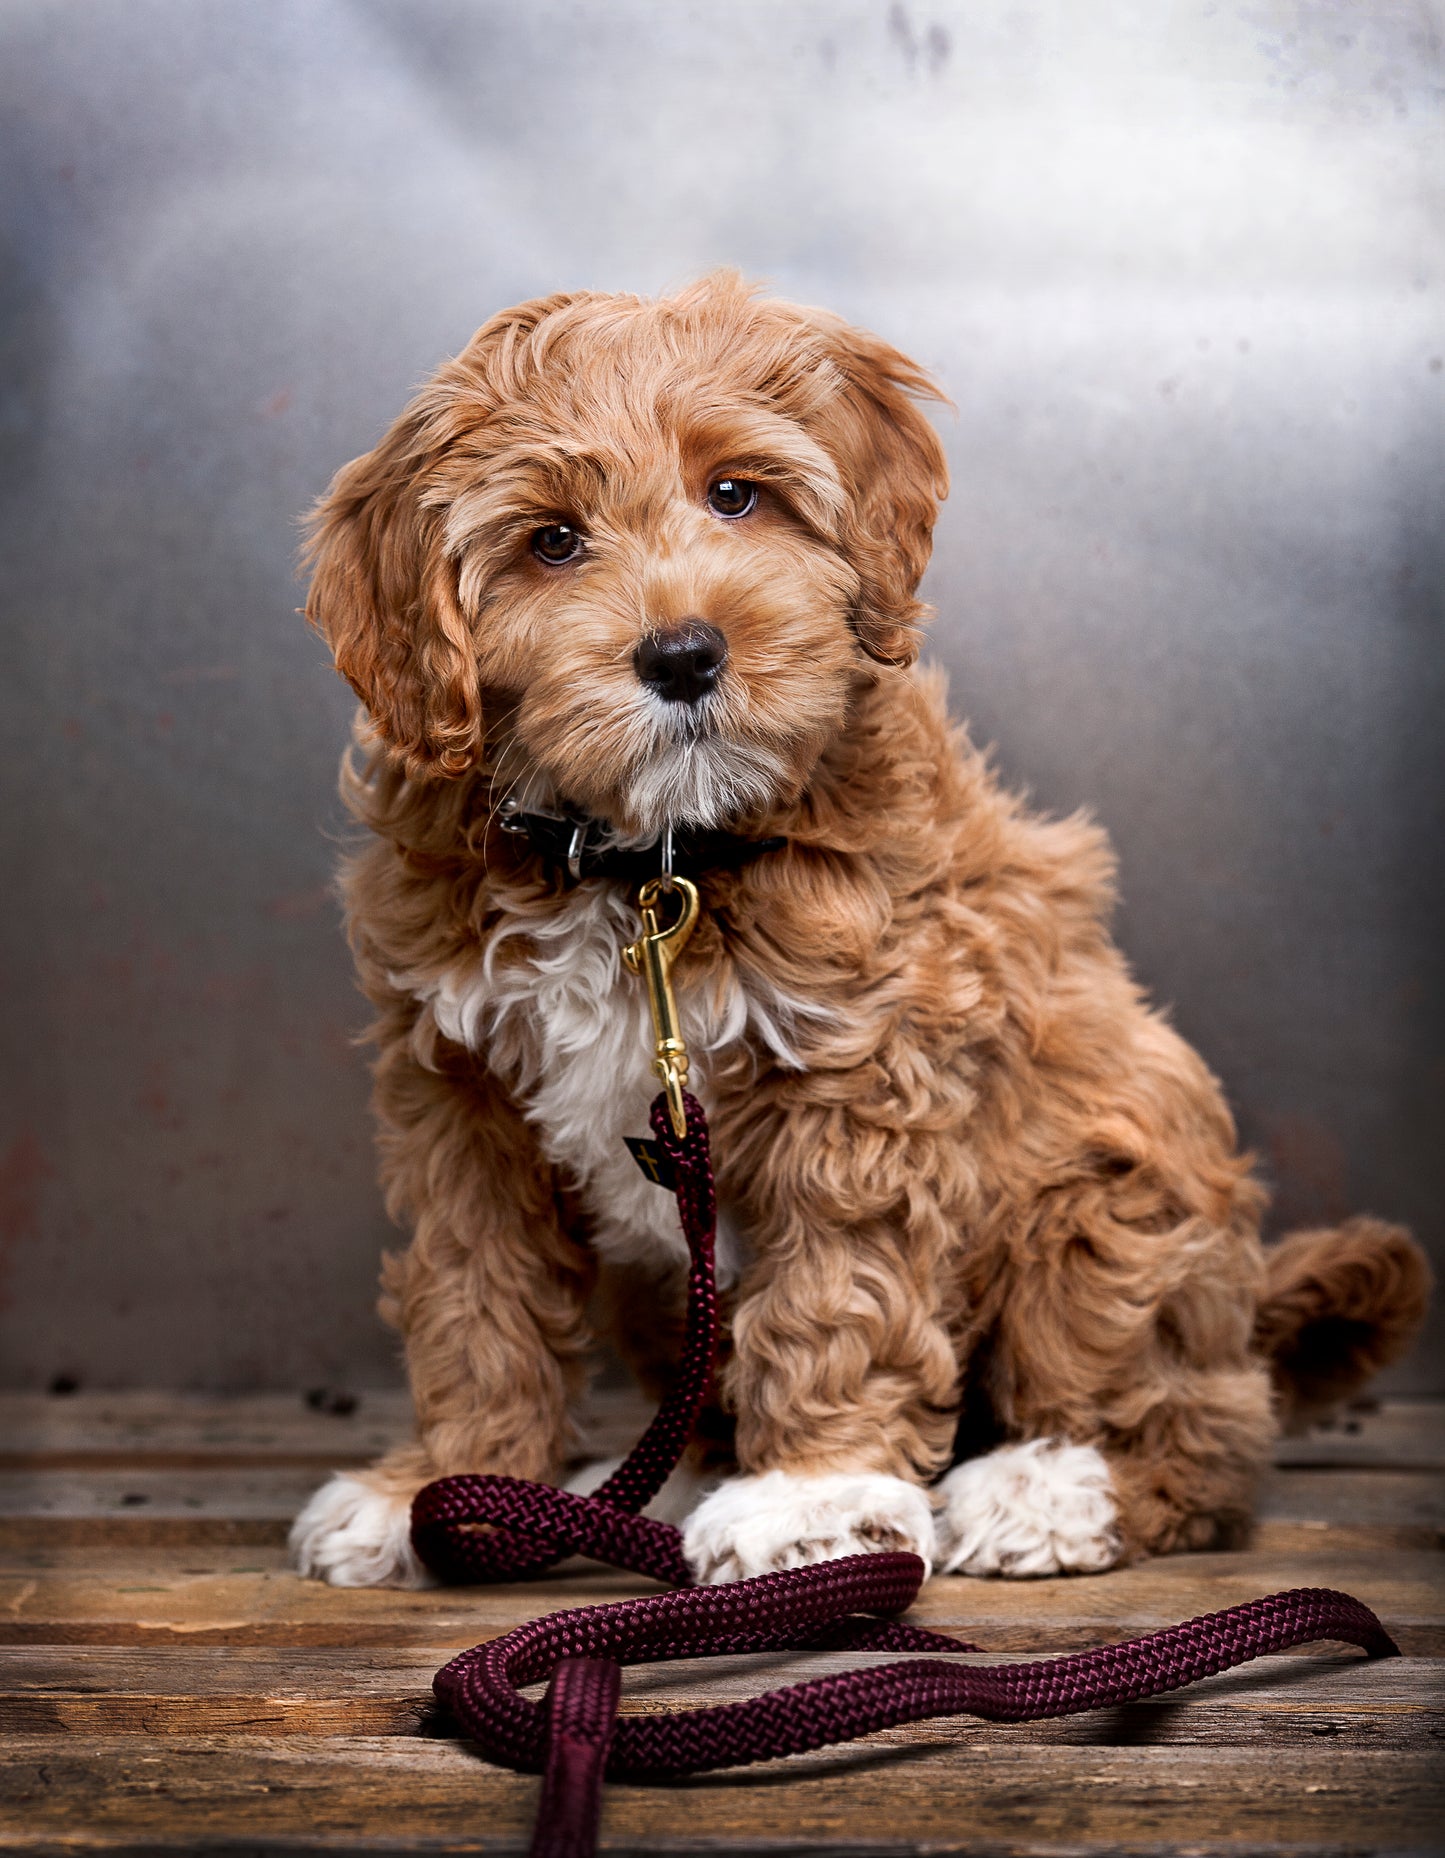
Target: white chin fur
{"x": 1041, "y": 1508}
{"x": 755, "y": 1525}
{"x": 702, "y": 780}
{"x": 356, "y": 1536}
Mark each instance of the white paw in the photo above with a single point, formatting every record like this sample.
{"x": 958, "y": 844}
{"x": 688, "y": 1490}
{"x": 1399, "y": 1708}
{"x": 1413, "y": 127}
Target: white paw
{"x": 1041, "y": 1508}
{"x": 674, "y": 1503}
{"x": 754, "y": 1525}
{"x": 354, "y": 1535}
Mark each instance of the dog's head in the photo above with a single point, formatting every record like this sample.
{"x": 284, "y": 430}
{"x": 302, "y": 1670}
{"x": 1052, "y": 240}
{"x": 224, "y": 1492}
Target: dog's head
{"x": 644, "y": 547}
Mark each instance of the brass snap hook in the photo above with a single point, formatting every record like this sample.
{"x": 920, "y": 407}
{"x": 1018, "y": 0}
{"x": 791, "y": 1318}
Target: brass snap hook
{"x": 652, "y": 956}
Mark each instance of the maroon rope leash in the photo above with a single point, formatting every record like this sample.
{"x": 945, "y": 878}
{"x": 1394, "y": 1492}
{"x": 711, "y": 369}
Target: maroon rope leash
{"x": 531, "y": 1527}
{"x": 500, "y": 1528}
{"x": 481, "y": 1686}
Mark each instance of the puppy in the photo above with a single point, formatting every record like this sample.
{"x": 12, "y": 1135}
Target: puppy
{"x": 626, "y": 566}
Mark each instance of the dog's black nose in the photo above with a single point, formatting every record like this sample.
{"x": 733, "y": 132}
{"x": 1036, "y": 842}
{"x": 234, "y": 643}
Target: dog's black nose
{"x": 681, "y": 662}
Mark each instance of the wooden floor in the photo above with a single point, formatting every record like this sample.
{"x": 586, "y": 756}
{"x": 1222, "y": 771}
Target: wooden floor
{"x": 166, "y": 1685}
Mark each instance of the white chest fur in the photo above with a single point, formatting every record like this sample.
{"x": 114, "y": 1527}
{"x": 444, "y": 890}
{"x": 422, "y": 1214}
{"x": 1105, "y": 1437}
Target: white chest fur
{"x": 548, "y": 1001}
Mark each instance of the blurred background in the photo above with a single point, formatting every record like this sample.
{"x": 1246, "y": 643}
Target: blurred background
{"x": 1179, "y": 269}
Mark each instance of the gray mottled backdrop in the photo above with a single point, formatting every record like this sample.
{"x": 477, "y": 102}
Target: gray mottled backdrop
{"x": 1179, "y": 267}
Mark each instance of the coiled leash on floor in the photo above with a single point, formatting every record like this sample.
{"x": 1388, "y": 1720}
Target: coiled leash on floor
{"x": 507, "y": 1529}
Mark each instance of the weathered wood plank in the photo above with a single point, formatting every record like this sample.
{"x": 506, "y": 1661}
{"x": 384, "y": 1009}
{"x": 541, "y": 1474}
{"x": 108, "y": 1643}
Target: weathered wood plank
{"x": 140, "y": 1532}
{"x": 178, "y": 1431}
{"x": 181, "y": 1794}
{"x": 105, "y": 1505}
{"x": 169, "y": 1686}
{"x": 126, "y": 1505}
{"x": 236, "y": 1502}
{"x": 1406, "y": 1588}
{"x": 1278, "y": 1536}
{"x": 1353, "y": 1496}
{"x": 197, "y": 1596}
{"x": 108, "y": 1690}
{"x": 217, "y": 1690}
{"x": 1388, "y": 1435}
{"x": 140, "y": 1529}
{"x": 155, "y": 1427}
{"x": 113, "y": 1430}
{"x": 159, "y": 1596}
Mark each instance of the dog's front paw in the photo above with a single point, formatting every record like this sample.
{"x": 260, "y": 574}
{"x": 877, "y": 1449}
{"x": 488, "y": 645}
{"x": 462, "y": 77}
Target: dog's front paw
{"x": 755, "y": 1525}
{"x": 354, "y": 1535}
{"x": 1041, "y": 1508}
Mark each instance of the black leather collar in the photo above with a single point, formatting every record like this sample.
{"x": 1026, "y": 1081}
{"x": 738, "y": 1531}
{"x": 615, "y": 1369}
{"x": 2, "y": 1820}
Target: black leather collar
{"x": 581, "y": 847}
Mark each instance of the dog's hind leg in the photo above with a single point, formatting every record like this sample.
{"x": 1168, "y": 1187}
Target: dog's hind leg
{"x": 489, "y": 1300}
{"x": 1121, "y": 1365}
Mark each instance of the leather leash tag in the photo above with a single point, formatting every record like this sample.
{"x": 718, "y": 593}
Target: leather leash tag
{"x": 653, "y": 1163}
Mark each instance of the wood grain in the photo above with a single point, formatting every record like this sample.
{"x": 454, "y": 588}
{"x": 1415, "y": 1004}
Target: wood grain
{"x": 236, "y": 1501}
{"x": 112, "y": 1430}
{"x": 1352, "y": 1500}
{"x": 1381, "y": 1435}
{"x": 99, "y": 1597}
{"x": 140, "y": 1426}
{"x": 167, "y": 1685}
{"x": 1398, "y": 1703}
{"x": 133, "y": 1793}
{"x": 141, "y": 1429}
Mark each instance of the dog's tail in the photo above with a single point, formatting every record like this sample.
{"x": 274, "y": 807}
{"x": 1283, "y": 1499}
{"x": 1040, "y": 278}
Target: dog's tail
{"x": 1339, "y": 1304}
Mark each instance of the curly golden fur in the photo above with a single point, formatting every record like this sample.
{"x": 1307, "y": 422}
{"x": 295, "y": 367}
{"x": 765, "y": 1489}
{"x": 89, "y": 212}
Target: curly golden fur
{"x": 969, "y": 1164}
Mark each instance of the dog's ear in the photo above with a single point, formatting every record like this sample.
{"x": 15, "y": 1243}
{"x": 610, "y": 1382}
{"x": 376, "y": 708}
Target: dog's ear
{"x": 384, "y": 597}
{"x": 895, "y": 473}
{"x": 384, "y": 589}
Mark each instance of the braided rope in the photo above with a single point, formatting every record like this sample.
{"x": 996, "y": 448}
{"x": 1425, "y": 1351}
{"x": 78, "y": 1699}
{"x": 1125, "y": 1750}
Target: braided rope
{"x": 531, "y": 1527}
{"x": 500, "y": 1528}
{"x": 772, "y": 1613}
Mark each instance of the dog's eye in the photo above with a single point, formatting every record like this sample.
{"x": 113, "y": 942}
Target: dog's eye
{"x": 556, "y": 543}
{"x": 732, "y": 496}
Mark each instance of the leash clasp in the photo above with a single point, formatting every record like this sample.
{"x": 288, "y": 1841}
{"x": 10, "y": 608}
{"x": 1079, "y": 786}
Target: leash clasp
{"x": 652, "y": 956}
